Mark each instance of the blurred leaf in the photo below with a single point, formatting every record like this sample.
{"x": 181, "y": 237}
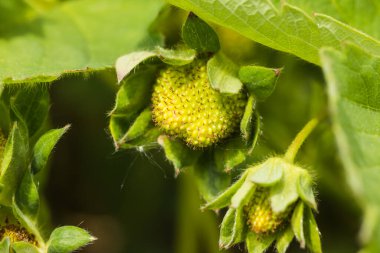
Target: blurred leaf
{"x": 259, "y": 81}
{"x": 284, "y": 239}
{"x": 289, "y": 29}
{"x": 44, "y": 146}
{"x": 258, "y": 243}
{"x": 222, "y": 73}
{"x": 68, "y": 239}
{"x": 5, "y": 244}
{"x": 177, "y": 57}
{"x": 268, "y": 173}
{"x": 198, "y": 35}
{"x": 14, "y": 163}
{"x": 83, "y": 35}
{"x": 297, "y": 223}
{"x": 178, "y": 153}
{"x": 24, "y": 247}
{"x": 353, "y": 87}
{"x": 126, "y": 63}
{"x": 27, "y": 198}
{"x": 313, "y": 241}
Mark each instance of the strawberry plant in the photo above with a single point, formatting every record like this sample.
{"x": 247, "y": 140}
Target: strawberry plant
{"x": 264, "y": 114}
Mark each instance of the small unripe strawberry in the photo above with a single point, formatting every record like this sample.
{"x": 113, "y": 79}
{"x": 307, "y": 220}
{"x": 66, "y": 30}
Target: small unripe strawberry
{"x": 16, "y": 233}
{"x": 186, "y": 106}
{"x": 261, "y": 218}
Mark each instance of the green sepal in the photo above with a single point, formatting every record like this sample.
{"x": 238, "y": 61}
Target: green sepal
{"x": 224, "y": 199}
{"x": 259, "y": 81}
{"x": 223, "y": 74}
{"x": 284, "y": 239}
{"x": 284, "y": 193}
{"x": 246, "y": 126}
{"x": 126, "y": 63}
{"x": 67, "y": 239}
{"x": 229, "y": 155}
{"x": 178, "y": 153}
{"x": 312, "y": 235}
{"x": 258, "y": 243}
{"x": 5, "y": 244}
{"x": 305, "y": 189}
{"x": 210, "y": 180}
{"x": 13, "y": 165}
{"x": 132, "y": 98}
{"x": 24, "y": 247}
{"x": 268, "y": 173}
{"x": 140, "y": 125}
{"x": 198, "y": 35}
{"x": 176, "y": 57}
{"x": 44, "y": 146}
{"x": 233, "y": 228}
{"x": 27, "y": 198}
{"x": 243, "y": 194}
{"x": 146, "y": 141}
{"x": 297, "y": 223}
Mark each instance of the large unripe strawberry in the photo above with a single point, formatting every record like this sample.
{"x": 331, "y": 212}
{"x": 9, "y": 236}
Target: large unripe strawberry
{"x": 186, "y": 106}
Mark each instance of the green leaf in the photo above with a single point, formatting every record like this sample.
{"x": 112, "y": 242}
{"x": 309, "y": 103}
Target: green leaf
{"x": 230, "y": 154}
{"x": 284, "y": 239}
{"x": 176, "y": 57}
{"x": 224, "y": 199}
{"x": 222, "y": 73}
{"x": 198, "y": 35}
{"x": 141, "y": 124}
{"x": 13, "y": 165}
{"x": 246, "y": 123}
{"x": 259, "y": 81}
{"x": 284, "y": 193}
{"x": 258, "y": 243}
{"x": 233, "y": 229}
{"x": 289, "y": 29}
{"x": 83, "y": 35}
{"x": 305, "y": 189}
{"x": 68, "y": 239}
{"x": 353, "y": 87}
{"x": 269, "y": 172}
{"x": 27, "y": 198}
{"x": 5, "y": 244}
{"x": 313, "y": 241}
{"x": 297, "y": 223}
{"x": 44, "y": 146}
{"x": 132, "y": 98}
{"x": 126, "y": 63}
{"x": 243, "y": 194}
{"x": 178, "y": 153}
{"x": 24, "y": 247}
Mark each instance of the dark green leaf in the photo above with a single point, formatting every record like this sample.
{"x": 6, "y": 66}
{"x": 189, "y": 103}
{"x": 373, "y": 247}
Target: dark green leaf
{"x": 141, "y": 124}
{"x": 313, "y": 241}
{"x": 198, "y": 35}
{"x": 176, "y": 57}
{"x": 178, "y": 153}
{"x": 224, "y": 199}
{"x": 230, "y": 154}
{"x": 269, "y": 172}
{"x": 284, "y": 239}
{"x": 27, "y": 198}
{"x": 14, "y": 164}
{"x": 258, "y": 243}
{"x": 297, "y": 223}
{"x": 68, "y": 239}
{"x": 259, "y": 81}
{"x": 44, "y": 146}
{"x": 24, "y": 247}
{"x": 222, "y": 73}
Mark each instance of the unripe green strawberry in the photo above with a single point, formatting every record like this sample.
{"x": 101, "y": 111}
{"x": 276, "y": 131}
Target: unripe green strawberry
{"x": 186, "y": 106}
{"x": 261, "y": 218}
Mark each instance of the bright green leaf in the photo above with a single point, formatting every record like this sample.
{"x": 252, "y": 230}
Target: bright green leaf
{"x": 24, "y": 247}
{"x": 83, "y": 35}
{"x": 176, "y": 57}
{"x": 284, "y": 239}
{"x": 305, "y": 189}
{"x": 297, "y": 223}
{"x": 44, "y": 147}
{"x": 5, "y": 244}
{"x": 243, "y": 194}
{"x": 222, "y": 73}
{"x": 313, "y": 240}
{"x": 198, "y": 35}
{"x": 258, "y": 243}
{"x": 68, "y": 239}
{"x": 269, "y": 172}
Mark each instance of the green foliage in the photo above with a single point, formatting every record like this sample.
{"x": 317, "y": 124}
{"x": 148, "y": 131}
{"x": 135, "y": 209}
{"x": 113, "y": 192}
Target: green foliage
{"x": 68, "y": 239}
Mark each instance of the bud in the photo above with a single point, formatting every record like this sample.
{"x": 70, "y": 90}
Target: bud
{"x": 261, "y": 218}
{"x": 186, "y": 106}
